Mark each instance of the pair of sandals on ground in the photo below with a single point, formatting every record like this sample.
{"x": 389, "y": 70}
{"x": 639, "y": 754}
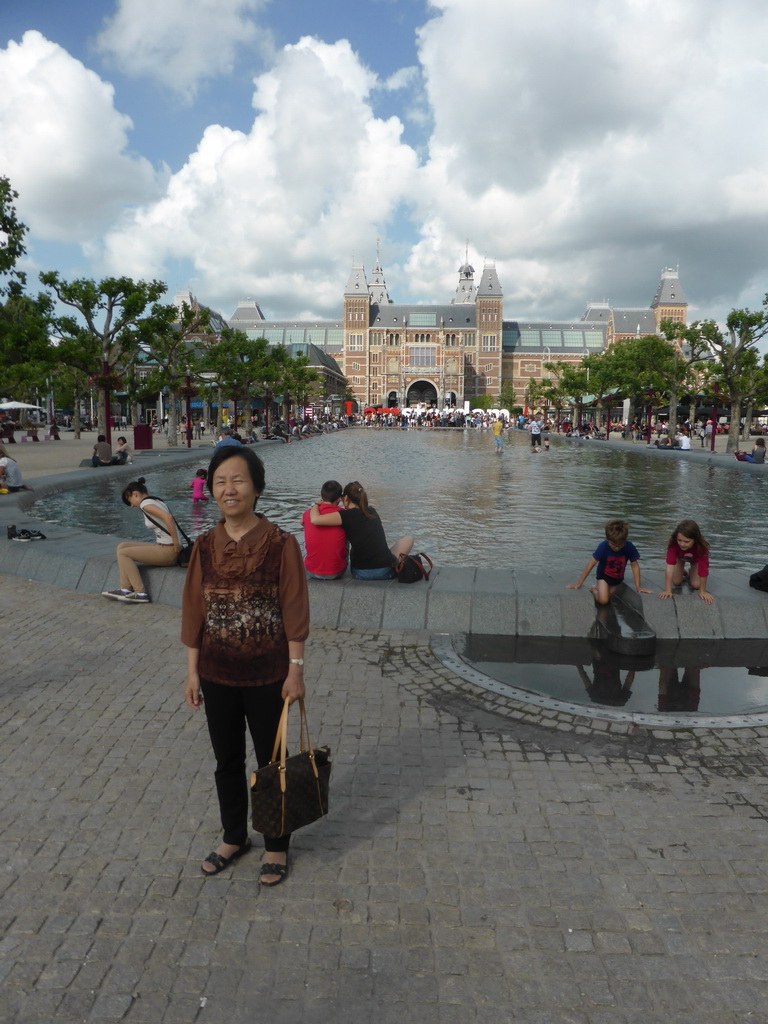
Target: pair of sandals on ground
{"x": 271, "y": 872}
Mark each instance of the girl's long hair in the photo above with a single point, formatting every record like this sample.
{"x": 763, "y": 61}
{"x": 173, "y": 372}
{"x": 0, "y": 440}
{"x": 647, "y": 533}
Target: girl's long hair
{"x": 690, "y": 529}
{"x": 4, "y": 454}
{"x": 356, "y": 494}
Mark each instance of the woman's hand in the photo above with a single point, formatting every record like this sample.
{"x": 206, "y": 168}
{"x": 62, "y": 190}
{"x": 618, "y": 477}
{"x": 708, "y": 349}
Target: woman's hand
{"x": 192, "y": 693}
{"x": 293, "y": 687}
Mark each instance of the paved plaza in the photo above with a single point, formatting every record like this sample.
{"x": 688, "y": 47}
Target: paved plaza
{"x": 474, "y": 867}
{"x": 481, "y": 862}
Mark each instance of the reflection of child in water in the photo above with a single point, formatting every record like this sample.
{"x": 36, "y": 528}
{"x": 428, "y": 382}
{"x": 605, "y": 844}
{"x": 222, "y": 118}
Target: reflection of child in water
{"x": 198, "y": 485}
{"x": 679, "y": 694}
{"x": 606, "y": 687}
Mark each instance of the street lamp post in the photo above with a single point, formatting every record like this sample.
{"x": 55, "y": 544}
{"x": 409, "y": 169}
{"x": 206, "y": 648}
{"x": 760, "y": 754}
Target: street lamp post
{"x": 189, "y": 409}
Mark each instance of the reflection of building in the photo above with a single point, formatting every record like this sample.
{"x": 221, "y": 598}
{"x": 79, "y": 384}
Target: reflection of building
{"x": 402, "y": 354}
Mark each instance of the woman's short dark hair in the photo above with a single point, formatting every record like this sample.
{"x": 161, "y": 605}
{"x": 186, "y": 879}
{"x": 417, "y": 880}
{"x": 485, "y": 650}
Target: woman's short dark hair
{"x": 135, "y": 485}
{"x": 252, "y": 461}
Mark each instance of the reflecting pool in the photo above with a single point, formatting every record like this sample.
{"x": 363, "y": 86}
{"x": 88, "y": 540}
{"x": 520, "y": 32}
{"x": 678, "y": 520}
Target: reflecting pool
{"x": 715, "y": 677}
{"x": 466, "y": 505}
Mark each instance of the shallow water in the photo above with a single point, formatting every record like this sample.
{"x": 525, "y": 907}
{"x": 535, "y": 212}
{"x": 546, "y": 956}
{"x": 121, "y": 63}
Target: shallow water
{"x": 466, "y": 505}
{"x": 701, "y": 677}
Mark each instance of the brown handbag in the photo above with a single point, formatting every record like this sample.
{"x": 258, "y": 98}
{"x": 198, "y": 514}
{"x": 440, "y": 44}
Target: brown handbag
{"x": 290, "y": 792}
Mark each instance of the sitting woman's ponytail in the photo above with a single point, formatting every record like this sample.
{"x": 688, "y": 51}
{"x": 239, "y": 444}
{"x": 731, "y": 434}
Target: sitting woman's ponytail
{"x": 356, "y": 494}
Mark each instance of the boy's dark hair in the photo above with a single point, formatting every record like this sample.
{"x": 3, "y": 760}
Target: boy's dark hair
{"x": 616, "y": 531}
{"x": 331, "y": 491}
{"x": 252, "y": 460}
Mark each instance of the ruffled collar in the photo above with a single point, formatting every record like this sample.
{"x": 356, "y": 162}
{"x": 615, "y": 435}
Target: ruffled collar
{"x": 235, "y": 557}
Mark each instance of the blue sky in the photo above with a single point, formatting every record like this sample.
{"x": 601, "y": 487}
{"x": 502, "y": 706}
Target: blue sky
{"x": 251, "y": 148}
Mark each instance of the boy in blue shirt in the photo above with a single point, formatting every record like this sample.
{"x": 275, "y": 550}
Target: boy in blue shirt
{"x": 611, "y": 557}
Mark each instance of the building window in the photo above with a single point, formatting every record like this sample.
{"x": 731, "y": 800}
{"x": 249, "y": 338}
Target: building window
{"x": 376, "y": 337}
{"x": 422, "y": 356}
{"x": 467, "y": 340}
{"x": 374, "y": 358}
{"x": 355, "y": 342}
{"x": 489, "y": 343}
{"x": 355, "y": 366}
{"x": 450, "y": 340}
{"x": 355, "y": 380}
{"x": 393, "y": 339}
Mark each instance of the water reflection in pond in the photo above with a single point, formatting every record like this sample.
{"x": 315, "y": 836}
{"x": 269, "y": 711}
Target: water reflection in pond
{"x": 466, "y": 505}
{"x": 704, "y": 677}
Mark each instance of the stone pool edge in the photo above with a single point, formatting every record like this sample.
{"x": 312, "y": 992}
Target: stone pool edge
{"x": 455, "y": 600}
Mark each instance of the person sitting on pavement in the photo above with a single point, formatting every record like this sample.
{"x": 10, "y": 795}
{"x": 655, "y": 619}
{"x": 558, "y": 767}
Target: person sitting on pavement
{"x": 757, "y": 454}
{"x": 10, "y": 474}
{"x": 370, "y": 559}
{"x": 326, "y": 548}
{"x": 102, "y": 452}
{"x": 226, "y": 437}
{"x": 157, "y": 517}
{"x": 123, "y": 454}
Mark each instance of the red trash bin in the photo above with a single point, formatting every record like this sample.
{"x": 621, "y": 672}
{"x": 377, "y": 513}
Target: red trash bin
{"x": 142, "y": 436}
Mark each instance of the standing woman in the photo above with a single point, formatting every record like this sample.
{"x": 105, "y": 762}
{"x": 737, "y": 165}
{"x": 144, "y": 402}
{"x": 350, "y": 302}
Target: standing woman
{"x": 244, "y": 620}
{"x": 165, "y": 551}
{"x": 370, "y": 558}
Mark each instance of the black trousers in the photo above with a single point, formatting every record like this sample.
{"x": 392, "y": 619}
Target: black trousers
{"x": 228, "y": 709}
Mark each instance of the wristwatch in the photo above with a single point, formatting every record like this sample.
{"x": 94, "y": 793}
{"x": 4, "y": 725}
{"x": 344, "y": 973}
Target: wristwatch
{"x": 295, "y": 661}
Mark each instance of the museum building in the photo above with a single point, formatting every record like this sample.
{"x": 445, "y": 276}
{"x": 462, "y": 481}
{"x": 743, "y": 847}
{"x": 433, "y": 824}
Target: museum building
{"x": 404, "y": 354}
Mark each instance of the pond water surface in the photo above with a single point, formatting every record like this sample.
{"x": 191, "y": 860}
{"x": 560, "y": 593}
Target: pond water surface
{"x": 466, "y": 505}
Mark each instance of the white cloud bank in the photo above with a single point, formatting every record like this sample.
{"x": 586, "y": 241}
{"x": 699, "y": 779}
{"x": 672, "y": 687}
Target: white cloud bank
{"x": 63, "y": 144}
{"x": 583, "y": 146}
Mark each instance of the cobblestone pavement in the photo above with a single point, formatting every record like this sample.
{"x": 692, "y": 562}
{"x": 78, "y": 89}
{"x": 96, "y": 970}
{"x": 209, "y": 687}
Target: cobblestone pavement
{"x": 474, "y": 867}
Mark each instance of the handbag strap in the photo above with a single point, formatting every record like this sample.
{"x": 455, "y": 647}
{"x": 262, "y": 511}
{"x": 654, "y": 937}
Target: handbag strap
{"x": 164, "y": 528}
{"x": 419, "y": 554}
{"x": 281, "y": 738}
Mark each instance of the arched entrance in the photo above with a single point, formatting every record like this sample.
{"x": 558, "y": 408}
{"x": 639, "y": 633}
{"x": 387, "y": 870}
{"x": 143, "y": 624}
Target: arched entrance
{"x": 450, "y": 398}
{"x": 421, "y": 392}
{"x": 392, "y": 400}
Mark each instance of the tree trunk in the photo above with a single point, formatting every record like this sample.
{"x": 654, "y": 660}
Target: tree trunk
{"x": 219, "y": 412}
{"x": 173, "y": 419}
{"x": 672, "y": 426}
{"x": 747, "y": 421}
{"x": 76, "y": 424}
{"x": 735, "y": 427}
{"x": 134, "y": 413}
{"x": 101, "y": 414}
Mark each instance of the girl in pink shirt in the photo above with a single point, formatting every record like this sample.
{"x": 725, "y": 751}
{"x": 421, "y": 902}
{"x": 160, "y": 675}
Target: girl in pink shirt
{"x": 198, "y": 485}
{"x": 687, "y": 558}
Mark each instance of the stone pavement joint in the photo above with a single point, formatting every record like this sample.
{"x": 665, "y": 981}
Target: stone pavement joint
{"x": 474, "y": 867}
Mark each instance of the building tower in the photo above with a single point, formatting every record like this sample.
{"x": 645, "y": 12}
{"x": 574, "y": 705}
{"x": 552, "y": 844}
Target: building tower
{"x": 377, "y": 288}
{"x": 489, "y": 312}
{"x": 669, "y": 303}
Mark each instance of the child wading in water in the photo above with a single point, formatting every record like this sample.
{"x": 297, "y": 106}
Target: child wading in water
{"x": 687, "y": 545}
{"x": 198, "y": 485}
{"x": 611, "y": 557}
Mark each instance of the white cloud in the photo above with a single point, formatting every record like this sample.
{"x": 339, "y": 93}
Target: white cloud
{"x": 179, "y": 43}
{"x": 278, "y": 211}
{"x": 596, "y": 128}
{"x": 63, "y": 144}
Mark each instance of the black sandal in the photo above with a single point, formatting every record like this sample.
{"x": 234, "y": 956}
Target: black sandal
{"x": 220, "y": 863}
{"x": 273, "y": 869}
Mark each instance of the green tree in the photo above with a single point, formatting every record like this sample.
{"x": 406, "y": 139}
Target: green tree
{"x": 164, "y": 336}
{"x": 12, "y": 235}
{"x": 733, "y": 352}
{"x": 571, "y": 383}
{"x": 101, "y": 341}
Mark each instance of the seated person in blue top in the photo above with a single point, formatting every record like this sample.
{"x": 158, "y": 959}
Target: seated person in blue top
{"x": 611, "y": 557}
{"x": 370, "y": 558}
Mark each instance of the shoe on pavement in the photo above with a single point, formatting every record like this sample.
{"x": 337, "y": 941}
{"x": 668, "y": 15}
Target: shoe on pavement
{"x": 134, "y": 598}
{"x": 114, "y": 595}
{"x": 12, "y": 533}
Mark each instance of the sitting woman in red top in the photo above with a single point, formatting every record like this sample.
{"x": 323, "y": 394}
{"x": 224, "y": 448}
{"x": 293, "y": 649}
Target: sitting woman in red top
{"x": 687, "y": 547}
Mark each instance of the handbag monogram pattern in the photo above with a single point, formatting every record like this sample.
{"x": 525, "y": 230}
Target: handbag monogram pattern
{"x": 290, "y": 792}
